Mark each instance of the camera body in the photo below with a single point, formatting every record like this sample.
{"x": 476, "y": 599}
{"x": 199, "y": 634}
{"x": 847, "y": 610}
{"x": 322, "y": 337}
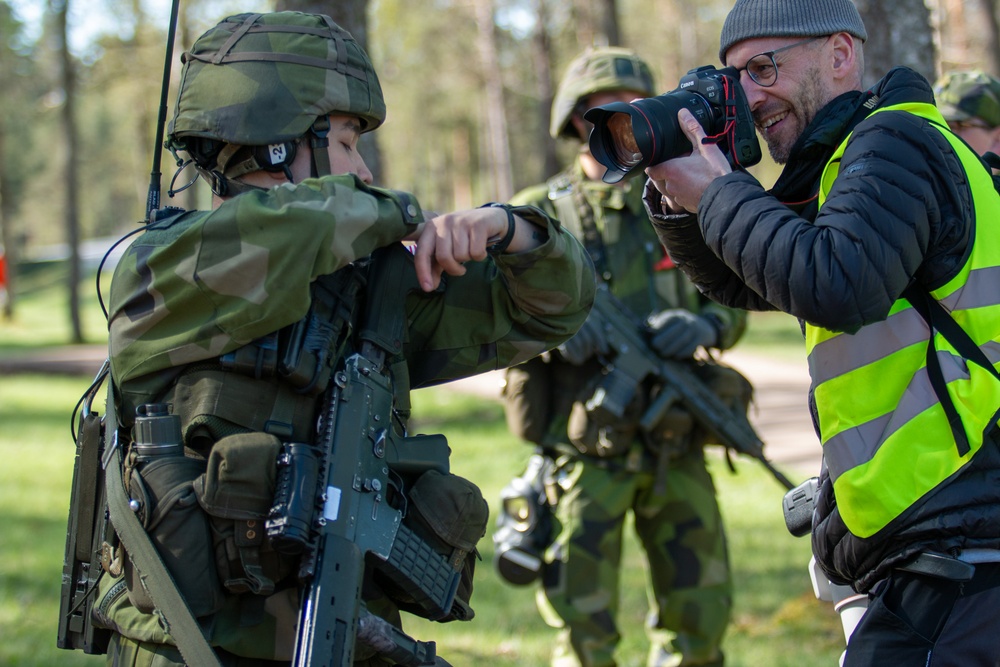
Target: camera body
{"x": 629, "y": 136}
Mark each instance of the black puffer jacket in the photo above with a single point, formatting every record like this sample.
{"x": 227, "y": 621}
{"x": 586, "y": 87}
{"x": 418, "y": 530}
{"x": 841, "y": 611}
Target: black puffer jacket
{"x": 899, "y": 211}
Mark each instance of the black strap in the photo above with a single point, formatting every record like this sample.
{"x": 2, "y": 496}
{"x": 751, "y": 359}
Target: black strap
{"x": 566, "y": 193}
{"x": 940, "y": 321}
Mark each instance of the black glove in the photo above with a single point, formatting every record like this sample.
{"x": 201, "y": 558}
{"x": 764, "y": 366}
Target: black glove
{"x": 678, "y": 333}
{"x": 587, "y": 342}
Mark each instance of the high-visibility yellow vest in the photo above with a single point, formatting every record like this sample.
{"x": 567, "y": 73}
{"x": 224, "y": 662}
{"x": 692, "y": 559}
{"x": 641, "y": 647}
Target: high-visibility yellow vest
{"x": 886, "y": 439}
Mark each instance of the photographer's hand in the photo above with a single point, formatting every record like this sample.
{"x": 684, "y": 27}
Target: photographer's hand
{"x": 682, "y": 180}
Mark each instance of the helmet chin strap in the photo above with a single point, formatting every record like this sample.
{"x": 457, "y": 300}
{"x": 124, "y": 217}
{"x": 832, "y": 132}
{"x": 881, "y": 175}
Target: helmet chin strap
{"x": 318, "y": 142}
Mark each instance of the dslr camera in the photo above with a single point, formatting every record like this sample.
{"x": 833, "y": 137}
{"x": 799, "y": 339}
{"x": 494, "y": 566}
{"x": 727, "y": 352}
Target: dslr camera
{"x": 629, "y": 136}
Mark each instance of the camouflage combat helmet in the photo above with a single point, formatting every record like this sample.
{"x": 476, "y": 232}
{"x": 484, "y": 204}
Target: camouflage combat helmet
{"x": 962, "y": 96}
{"x": 264, "y": 79}
{"x": 594, "y": 71}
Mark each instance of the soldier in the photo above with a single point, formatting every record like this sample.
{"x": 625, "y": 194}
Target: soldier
{"x": 602, "y": 474}
{"x": 970, "y": 102}
{"x": 205, "y": 306}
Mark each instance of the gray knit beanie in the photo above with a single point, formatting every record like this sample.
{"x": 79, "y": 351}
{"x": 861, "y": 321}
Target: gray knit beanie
{"x": 750, "y": 19}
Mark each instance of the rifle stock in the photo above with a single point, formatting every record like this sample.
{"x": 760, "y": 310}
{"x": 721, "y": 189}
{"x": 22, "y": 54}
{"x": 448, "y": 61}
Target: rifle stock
{"x": 635, "y": 361}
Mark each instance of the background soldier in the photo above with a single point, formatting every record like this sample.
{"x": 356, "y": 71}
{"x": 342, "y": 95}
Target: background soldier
{"x": 603, "y": 473}
{"x": 970, "y": 102}
{"x": 204, "y": 305}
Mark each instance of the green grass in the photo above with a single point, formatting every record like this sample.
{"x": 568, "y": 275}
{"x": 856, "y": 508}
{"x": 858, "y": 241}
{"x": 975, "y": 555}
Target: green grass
{"x": 41, "y": 313}
{"x": 37, "y": 451}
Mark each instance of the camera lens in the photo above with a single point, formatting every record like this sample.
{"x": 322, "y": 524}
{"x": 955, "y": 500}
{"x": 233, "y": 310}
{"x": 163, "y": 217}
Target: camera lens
{"x": 623, "y": 144}
{"x": 628, "y": 137}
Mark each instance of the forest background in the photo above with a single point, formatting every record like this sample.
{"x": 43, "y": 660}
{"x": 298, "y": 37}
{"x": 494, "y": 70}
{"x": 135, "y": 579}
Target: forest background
{"x": 468, "y": 84}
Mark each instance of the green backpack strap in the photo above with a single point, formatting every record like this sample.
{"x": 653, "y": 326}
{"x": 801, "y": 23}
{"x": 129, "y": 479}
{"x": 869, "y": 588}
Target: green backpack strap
{"x": 180, "y": 622}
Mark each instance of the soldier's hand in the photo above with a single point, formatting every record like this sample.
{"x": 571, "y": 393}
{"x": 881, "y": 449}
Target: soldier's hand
{"x": 586, "y": 343}
{"x": 446, "y": 242}
{"x": 678, "y": 333}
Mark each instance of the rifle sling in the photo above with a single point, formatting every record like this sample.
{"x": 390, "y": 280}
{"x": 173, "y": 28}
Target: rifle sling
{"x": 177, "y": 616}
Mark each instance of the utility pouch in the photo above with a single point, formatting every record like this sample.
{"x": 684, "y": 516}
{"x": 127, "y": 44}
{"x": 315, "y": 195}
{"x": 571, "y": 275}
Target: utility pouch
{"x": 236, "y": 491}
{"x": 450, "y": 514}
{"x": 732, "y": 388}
{"x": 169, "y": 511}
{"x": 595, "y": 431}
{"x": 527, "y": 395}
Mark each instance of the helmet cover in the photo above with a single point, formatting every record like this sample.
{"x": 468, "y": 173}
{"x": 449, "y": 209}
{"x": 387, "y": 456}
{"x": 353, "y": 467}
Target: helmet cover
{"x": 258, "y": 79}
{"x": 598, "y": 70}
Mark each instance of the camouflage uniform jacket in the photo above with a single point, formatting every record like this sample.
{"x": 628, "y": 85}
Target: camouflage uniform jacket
{"x": 210, "y": 282}
{"x": 630, "y": 259}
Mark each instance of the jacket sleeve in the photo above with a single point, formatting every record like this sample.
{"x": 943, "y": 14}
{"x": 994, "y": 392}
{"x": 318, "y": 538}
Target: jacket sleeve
{"x": 897, "y": 189}
{"x": 680, "y": 235}
{"x": 503, "y": 310}
{"x": 220, "y": 279}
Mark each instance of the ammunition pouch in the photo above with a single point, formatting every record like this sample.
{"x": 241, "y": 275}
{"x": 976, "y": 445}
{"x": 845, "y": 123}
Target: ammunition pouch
{"x": 677, "y": 433}
{"x": 235, "y": 492}
{"x": 450, "y": 514}
{"x": 598, "y": 431}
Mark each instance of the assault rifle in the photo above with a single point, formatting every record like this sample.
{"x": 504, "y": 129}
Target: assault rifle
{"x": 340, "y": 503}
{"x": 633, "y": 361}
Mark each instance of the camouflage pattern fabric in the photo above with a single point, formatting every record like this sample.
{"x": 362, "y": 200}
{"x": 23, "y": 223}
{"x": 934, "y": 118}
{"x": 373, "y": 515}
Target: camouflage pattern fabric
{"x": 962, "y": 96}
{"x": 227, "y": 277}
{"x": 256, "y": 79}
{"x": 595, "y": 70}
{"x": 198, "y": 285}
{"x": 680, "y": 529}
{"x": 682, "y": 536}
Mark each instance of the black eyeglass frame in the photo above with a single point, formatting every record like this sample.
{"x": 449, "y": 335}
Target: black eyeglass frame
{"x": 770, "y": 55}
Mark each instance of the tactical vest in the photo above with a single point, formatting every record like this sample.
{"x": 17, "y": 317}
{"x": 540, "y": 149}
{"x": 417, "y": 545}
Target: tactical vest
{"x": 901, "y": 408}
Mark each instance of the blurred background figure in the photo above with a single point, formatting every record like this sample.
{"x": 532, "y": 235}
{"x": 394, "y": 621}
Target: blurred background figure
{"x": 970, "y": 102}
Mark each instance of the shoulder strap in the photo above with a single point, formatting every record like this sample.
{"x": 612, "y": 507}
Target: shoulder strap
{"x": 578, "y": 216}
{"x": 177, "y": 616}
{"x": 940, "y": 321}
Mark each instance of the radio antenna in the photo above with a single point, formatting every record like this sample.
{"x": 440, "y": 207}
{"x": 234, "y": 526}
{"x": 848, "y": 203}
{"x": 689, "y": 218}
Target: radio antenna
{"x": 153, "y": 196}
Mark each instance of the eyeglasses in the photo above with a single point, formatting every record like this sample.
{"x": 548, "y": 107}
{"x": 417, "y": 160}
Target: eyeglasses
{"x": 762, "y": 68}
{"x": 958, "y": 125}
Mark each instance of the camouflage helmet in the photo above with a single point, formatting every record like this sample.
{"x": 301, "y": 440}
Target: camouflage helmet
{"x": 598, "y": 70}
{"x": 962, "y": 96}
{"x": 257, "y": 79}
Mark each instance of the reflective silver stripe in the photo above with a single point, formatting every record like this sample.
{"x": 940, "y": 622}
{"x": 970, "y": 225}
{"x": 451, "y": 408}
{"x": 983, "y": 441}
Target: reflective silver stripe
{"x": 845, "y": 353}
{"x": 858, "y": 445}
{"x": 980, "y": 290}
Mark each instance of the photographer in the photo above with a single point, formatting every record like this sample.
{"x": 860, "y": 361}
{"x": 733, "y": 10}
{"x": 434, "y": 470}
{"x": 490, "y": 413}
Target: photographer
{"x": 880, "y": 216}
{"x": 604, "y": 472}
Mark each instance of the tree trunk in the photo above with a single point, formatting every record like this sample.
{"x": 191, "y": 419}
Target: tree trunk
{"x": 8, "y": 247}
{"x": 352, "y": 16}
{"x": 71, "y": 145}
{"x": 899, "y": 33}
{"x": 496, "y": 118}
{"x": 992, "y": 29}
{"x": 541, "y": 46}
